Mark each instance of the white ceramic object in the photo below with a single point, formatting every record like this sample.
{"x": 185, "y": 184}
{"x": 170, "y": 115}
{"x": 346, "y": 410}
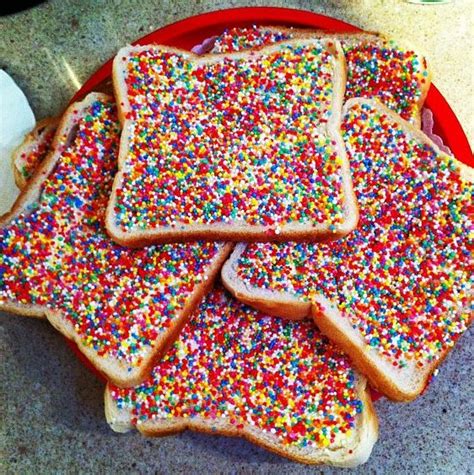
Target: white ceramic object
{"x": 16, "y": 120}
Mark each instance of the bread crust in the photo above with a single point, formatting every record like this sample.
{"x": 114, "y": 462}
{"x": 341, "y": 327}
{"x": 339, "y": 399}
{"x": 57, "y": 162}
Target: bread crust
{"x": 34, "y": 311}
{"x": 387, "y": 380}
{"x": 120, "y": 420}
{"x": 116, "y": 371}
{"x": 31, "y": 140}
{"x": 236, "y": 231}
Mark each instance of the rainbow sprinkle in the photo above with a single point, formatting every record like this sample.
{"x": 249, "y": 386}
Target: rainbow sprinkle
{"x": 239, "y": 141}
{"x": 375, "y": 67}
{"x": 238, "y": 39}
{"x": 404, "y": 277}
{"x": 232, "y": 363}
{"x": 57, "y": 254}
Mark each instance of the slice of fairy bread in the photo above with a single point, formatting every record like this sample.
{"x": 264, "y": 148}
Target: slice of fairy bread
{"x": 397, "y": 292}
{"x": 33, "y": 150}
{"x": 237, "y": 372}
{"x": 239, "y": 146}
{"x": 122, "y": 307}
{"x": 377, "y": 67}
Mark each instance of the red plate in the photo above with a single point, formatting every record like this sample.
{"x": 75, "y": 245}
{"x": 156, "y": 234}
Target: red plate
{"x": 192, "y": 31}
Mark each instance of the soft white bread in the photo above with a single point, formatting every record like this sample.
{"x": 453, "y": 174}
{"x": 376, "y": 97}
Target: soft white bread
{"x": 33, "y": 150}
{"x": 279, "y": 384}
{"x": 29, "y": 196}
{"x": 283, "y": 303}
{"x": 377, "y": 66}
{"x": 230, "y": 188}
{"x": 396, "y": 294}
{"x": 122, "y": 307}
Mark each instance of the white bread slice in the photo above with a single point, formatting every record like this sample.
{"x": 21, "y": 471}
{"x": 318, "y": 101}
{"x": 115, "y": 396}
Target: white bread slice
{"x": 33, "y": 150}
{"x": 28, "y": 197}
{"x": 237, "y": 187}
{"x": 377, "y": 67}
{"x": 372, "y": 293}
{"x": 122, "y": 307}
{"x": 236, "y": 372}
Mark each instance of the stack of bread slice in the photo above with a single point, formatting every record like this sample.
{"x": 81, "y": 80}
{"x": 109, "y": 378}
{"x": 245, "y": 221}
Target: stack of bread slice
{"x": 352, "y": 264}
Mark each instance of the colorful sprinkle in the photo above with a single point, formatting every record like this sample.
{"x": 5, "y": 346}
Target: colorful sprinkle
{"x": 58, "y": 255}
{"x": 375, "y": 67}
{"x": 404, "y": 277}
{"x": 231, "y": 141}
{"x": 232, "y": 363}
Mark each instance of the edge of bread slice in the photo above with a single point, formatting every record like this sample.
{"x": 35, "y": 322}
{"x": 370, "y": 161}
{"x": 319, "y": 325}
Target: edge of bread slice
{"x": 370, "y": 37}
{"x": 235, "y": 231}
{"x": 398, "y": 384}
{"x": 275, "y": 303}
{"x": 352, "y": 456}
{"x": 34, "y": 139}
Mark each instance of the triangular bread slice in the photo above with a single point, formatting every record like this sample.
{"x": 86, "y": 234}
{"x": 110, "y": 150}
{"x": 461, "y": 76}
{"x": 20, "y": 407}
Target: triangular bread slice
{"x": 33, "y": 150}
{"x": 239, "y": 146}
{"x": 397, "y": 292}
{"x": 122, "y": 307}
{"x": 377, "y": 67}
{"x": 237, "y": 372}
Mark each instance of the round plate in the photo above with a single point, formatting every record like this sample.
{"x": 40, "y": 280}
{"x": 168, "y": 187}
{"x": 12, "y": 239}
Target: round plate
{"x": 192, "y": 31}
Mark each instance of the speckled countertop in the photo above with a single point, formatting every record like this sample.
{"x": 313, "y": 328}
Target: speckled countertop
{"x": 51, "y": 407}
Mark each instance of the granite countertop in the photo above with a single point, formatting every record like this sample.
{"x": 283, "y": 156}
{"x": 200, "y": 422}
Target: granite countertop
{"x": 51, "y": 406}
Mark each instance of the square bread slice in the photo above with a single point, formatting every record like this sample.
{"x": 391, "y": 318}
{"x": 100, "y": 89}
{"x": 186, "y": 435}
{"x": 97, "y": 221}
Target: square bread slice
{"x": 122, "y": 307}
{"x": 396, "y": 293}
{"x": 238, "y": 146}
{"x": 237, "y": 372}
